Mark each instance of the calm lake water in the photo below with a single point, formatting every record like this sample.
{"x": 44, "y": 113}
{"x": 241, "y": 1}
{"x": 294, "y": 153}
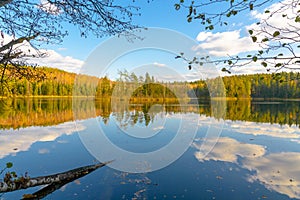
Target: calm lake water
{"x": 256, "y": 154}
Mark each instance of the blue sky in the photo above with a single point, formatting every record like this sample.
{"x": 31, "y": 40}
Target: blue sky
{"x": 154, "y": 14}
{"x": 223, "y": 40}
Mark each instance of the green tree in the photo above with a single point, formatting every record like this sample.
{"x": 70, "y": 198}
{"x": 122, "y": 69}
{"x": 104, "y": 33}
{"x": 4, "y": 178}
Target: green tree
{"x": 105, "y": 89}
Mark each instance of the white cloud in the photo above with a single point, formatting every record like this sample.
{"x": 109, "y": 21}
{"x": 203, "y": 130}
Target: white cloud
{"x": 275, "y": 18}
{"x": 159, "y": 64}
{"x": 196, "y": 73}
{"x": 183, "y": 77}
{"x": 231, "y": 43}
{"x": 225, "y": 43}
{"x": 253, "y": 68}
{"x": 62, "y": 49}
{"x": 289, "y": 29}
{"x": 287, "y": 26}
{"x": 49, "y": 7}
{"x": 52, "y": 58}
{"x": 56, "y": 60}
{"x": 202, "y": 36}
{"x": 193, "y": 76}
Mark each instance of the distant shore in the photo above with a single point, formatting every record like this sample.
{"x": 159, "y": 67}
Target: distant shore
{"x": 152, "y": 100}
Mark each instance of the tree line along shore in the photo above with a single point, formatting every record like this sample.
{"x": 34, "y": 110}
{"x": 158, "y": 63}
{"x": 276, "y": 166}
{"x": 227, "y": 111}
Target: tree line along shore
{"x": 50, "y": 82}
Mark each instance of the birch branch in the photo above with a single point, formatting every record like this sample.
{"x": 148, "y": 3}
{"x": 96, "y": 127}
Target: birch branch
{"x": 27, "y": 182}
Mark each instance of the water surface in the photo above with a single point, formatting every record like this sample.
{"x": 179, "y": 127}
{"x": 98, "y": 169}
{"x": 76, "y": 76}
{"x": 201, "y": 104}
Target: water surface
{"x": 257, "y": 155}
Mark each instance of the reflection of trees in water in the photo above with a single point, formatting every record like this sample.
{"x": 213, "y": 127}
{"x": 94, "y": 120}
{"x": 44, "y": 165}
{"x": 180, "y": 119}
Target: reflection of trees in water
{"x": 34, "y": 112}
{"x": 133, "y": 114}
{"x": 267, "y": 112}
{"x": 25, "y": 112}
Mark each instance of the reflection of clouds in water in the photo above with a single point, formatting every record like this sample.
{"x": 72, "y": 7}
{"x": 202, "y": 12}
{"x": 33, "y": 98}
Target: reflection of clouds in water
{"x": 12, "y": 141}
{"x": 228, "y": 150}
{"x": 256, "y": 128}
{"x": 157, "y": 128}
{"x": 279, "y": 172}
{"x": 296, "y": 140}
{"x": 43, "y": 151}
{"x": 205, "y": 120}
{"x": 273, "y": 130}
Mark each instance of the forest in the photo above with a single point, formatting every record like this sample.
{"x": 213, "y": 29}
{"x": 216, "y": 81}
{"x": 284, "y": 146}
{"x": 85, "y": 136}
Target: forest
{"x": 54, "y": 82}
{"x": 284, "y": 85}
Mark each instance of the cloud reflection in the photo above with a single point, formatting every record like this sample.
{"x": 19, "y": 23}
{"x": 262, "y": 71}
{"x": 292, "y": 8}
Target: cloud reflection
{"x": 12, "y": 141}
{"x": 267, "y": 129}
{"x": 256, "y": 128}
{"x": 278, "y": 171}
{"x": 228, "y": 150}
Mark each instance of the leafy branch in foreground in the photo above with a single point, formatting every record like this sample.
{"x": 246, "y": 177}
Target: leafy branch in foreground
{"x": 208, "y": 17}
{"x": 276, "y": 62}
{"x": 276, "y": 34}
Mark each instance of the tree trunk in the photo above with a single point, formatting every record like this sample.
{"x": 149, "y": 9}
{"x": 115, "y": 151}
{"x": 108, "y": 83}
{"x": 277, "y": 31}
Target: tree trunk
{"x": 64, "y": 177}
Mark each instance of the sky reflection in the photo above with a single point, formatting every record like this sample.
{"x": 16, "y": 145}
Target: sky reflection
{"x": 278, "y": 172}
{"x": 14, "y": 141}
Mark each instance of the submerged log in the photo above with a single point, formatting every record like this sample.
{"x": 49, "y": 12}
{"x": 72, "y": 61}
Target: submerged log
{"x": 45, "y": 191}
{"x": 64, "y": 177}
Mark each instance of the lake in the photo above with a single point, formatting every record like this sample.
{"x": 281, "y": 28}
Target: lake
{"x": 159, "y": 151}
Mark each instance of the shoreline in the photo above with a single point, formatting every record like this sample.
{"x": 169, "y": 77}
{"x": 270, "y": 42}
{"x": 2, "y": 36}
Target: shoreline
{"x": 150, "y": 99}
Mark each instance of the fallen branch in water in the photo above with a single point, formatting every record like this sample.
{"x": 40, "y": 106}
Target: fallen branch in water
{"x": 64, "y": 177}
